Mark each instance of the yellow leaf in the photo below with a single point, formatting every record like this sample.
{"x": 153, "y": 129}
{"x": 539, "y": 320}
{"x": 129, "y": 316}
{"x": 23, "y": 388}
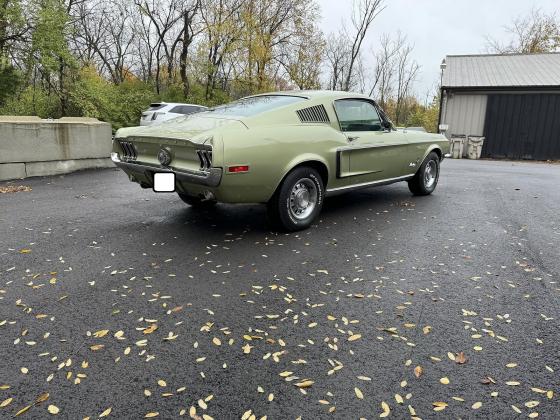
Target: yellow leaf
{"x": 359, "y": 393}
{"x": 285, "y": 374}
{"x": 451, "y": 356}
{"x": 386, "y": 409}
{"x": 6, "y": 402}
{"x": 399, "y": 399}
{"x": 151, "y": 415}
{"x": 150, "y": 329}
{"x": 533, "y": 415}
{"x": 216, "y": 341}
{"x": 23, "y": 410}
{"x": 444, "y": 380}
{"x": 42, "y": 398}
{"x": 97, "y": 347}
{"x": 418, "y": 371}
{"x": 100, "y": 333}
{"x": 531, "y": 404}
{"x": 106, "y": 412}
{"x": 53, "y": 409}
{"x": 161, "y": 382}
{"x": 476, "y": 405}
{"x": 354, "y": 337}
{"x": 305, "y": 384}
{"x": 25, "y": 251}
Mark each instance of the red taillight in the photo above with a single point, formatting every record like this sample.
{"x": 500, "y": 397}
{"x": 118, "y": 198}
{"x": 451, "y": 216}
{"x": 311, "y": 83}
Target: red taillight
{"x": 239, "y": 168}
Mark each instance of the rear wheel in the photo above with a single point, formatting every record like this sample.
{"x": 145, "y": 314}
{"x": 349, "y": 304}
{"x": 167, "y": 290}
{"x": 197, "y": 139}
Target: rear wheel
{"x": 196, "y": 202}
{"x": 298, "y": 200}
{"x": 426, "y": 179}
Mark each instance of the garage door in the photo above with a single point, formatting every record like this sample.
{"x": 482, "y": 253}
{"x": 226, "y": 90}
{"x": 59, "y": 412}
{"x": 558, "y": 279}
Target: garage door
{"x": 522, "y": 127}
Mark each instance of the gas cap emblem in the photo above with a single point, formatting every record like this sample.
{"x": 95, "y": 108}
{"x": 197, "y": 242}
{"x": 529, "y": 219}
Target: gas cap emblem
{"x": 164, "y": 157}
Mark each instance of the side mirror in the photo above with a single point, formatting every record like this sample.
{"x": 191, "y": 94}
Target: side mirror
{"x": 386, "y": 125}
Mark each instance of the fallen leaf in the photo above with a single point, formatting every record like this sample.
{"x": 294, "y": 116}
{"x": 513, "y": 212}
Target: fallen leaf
{"x": 461, "y": 358}
{"x": 151, "y": 415}
{"x": 100, "y": 333}
{"x": 359, "y": 393}
{"x": 418, "y": 371}
{"x": 23, "y": 410}
{"x": 42, "y": 398}
{"x": 305, "y": 384}
{"x": 476, "y": 405}
{"x": 444, "y": 380}
{"x": 386, "y": 409}
{"x": 53, "y": 409}
{"x": 6, "y": 402}
{"x": 150, "y": 329}
{"x": 106, "y": 412}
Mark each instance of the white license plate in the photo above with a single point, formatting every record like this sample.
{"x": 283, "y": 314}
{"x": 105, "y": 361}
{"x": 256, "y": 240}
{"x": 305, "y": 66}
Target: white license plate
{"x": 164, "y": 182}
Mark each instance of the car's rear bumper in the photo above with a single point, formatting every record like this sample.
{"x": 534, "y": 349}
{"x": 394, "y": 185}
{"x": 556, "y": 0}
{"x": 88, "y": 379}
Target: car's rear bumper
{"x": 209, "y": 178}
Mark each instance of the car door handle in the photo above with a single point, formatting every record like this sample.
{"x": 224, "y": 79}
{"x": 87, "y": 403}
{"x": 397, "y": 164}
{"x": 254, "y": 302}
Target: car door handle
{"x": 353, "y": 138}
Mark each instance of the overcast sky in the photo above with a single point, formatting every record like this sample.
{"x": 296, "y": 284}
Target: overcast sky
{"x": 437, "y": 27}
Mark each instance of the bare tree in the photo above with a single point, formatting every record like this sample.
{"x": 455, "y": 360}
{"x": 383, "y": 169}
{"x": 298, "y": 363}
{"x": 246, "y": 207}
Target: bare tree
{"x": 338, "y": 59}
{"x": 385, "y": 67}
{"x": 222, "y": 28}
{"x": 363, "y": 15}
{"x": 104, "y": 36}
{"x": 407, "y": 71}
{"x": 535, "y": 33}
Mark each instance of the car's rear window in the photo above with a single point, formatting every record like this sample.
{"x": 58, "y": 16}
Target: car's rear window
{"x": 155, "y": 107}
{"x": 248, "y": 107}
{"x": 185, "y": 109}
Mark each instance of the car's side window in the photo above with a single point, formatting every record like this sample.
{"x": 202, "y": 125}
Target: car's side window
{"x": 357, "y": 115}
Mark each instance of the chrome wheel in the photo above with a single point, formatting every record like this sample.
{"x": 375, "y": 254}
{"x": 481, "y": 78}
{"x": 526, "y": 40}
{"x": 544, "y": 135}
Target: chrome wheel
{"x": 303, "y": 199}
{"x": 430, "y": 174}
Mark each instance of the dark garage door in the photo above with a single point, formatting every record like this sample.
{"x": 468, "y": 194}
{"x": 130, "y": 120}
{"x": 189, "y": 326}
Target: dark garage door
{"x": 522, "y": 127}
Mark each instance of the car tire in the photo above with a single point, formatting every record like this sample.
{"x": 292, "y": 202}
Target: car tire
{"x": 196, "y": 202}
{"x": 426, "y": 178}
{"x": 297, "y": 201}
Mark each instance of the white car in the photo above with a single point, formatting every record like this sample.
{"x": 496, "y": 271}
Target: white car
{"x": 163, "y": 111}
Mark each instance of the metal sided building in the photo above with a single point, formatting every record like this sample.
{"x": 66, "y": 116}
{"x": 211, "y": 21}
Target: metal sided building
{"x": 512, "y": 100}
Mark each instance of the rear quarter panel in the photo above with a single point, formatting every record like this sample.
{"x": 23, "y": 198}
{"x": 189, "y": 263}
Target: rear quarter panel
{"x": 271, "y": 152}
{"x": 423, "y": 144}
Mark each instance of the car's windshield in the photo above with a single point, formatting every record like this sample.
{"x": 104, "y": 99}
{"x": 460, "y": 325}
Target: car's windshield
{"x": 248, "y": 107}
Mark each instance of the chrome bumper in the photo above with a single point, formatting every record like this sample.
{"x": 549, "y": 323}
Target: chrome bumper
{"x": 210, "y": 177}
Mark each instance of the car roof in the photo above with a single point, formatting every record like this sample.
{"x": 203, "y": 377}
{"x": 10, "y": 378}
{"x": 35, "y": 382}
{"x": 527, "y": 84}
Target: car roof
{"x": 317, "y": 94}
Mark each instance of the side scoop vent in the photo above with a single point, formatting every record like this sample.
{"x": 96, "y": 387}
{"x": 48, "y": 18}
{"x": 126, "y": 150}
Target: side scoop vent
{"x": 315, "y": 114}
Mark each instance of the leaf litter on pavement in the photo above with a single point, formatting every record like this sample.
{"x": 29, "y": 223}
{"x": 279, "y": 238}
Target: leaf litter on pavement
{"x": 321, "y": 337}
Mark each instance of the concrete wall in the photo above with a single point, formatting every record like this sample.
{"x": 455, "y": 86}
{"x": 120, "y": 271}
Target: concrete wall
{"x": 30, "y": 146}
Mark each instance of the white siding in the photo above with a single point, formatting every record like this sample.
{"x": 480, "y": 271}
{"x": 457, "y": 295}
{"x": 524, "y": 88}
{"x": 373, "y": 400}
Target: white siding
{"x": 464, "y": 114}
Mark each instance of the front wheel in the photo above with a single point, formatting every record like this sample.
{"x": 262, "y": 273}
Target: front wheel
{"x": 426, "y": 179}
{"x": 298, "y": 200}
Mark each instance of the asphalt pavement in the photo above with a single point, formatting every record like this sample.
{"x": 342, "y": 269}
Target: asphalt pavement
{"x": 121, "y": 303}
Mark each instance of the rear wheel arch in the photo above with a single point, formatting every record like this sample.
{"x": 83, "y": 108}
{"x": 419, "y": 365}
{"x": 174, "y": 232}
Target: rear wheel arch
{"x": 319, "y": 166}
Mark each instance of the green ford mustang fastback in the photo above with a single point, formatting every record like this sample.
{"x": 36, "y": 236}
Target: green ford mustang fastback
{"x": 286, "y": 149}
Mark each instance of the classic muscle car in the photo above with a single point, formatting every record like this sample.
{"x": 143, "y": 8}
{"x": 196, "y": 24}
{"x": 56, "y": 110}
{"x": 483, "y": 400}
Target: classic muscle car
{"x": 286, "y": 149}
